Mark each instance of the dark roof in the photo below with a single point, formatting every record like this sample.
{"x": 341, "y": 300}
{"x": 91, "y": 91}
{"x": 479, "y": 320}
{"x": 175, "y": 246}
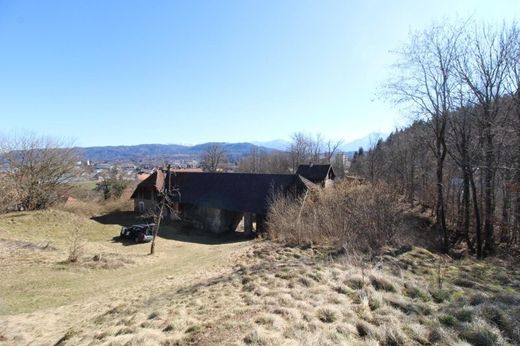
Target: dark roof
{"x": 242, "y": 192}
{"x": 315, "y": 173}
{"x": 152, "y": 182}
{"x": 308, "y": 184}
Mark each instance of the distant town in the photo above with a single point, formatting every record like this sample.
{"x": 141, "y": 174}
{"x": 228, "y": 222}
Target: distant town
{"x": 137, "y": 161}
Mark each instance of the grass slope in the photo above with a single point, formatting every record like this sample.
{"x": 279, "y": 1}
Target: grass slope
{"x": 258, "y": 293}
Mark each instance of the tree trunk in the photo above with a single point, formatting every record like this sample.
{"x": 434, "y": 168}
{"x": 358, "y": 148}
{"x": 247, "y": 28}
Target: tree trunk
{"x": 412, "y": 184}
{"x": 476, "y": 210}
{"x": 439, "y": 209}
{"x": 489, "y": 193}
{"x": 506, "y": 208}
{"x": 466, "y": 208}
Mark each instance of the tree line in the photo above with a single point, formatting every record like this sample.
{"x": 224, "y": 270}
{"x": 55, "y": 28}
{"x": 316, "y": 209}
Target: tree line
{"x": 37, "y": 172}
{"x": 303, "y": 149}
{"x": 461, "y": 154}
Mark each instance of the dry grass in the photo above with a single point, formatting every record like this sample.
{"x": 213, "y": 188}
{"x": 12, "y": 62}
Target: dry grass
{"x": 273, "y": 295}
{"x": 352, "y": 217}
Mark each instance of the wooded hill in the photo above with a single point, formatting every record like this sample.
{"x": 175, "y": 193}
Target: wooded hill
{"x": 461, "y": 157}
{"x": 166, "y": 151}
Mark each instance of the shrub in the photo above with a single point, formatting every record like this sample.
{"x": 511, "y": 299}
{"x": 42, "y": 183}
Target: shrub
{"x": 354, "y": 218}
{"x": 464, "y": 315}
{"x": 416, "y": 293}
{"x": 112, "y": 187}
{"x": 448, "y": 320}
{"x": 440, "y": 295}
{"x": 76, "y": 242}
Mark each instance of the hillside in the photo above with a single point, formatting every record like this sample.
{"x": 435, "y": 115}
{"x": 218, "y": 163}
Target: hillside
{"x": 162, "y": 151}
{"x": 203, "y": 291}
{"x": 235, "y": 151}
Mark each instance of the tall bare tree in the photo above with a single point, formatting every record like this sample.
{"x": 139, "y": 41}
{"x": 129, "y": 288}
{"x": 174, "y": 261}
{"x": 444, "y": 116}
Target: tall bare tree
{"x": 425, "y": 81}
{"x": 514, "y": 92}
{"x": 332, "y": 147}
{"x": 213, "y": 157}
{"x": 300, "y": 150}
{"x": 484, "y": 67}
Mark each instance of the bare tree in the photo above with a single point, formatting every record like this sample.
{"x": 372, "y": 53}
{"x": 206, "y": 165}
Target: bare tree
{"x": 463, "y": 152}
{"x": 213, "y": 157}
{"x": 483, "y": 68}
{"x": 77, "y": 241}
{"x": 300, "y": 150}
{"x": 37, "y": 169}
{"x": 514, "y": 92}
{"x": 316, "y": 147}
{"x": 332, "y": 148}
{"x": 426, "y": 80}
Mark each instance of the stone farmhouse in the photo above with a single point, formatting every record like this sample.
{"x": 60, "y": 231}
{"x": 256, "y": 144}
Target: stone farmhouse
{"x": 218, "y": 202}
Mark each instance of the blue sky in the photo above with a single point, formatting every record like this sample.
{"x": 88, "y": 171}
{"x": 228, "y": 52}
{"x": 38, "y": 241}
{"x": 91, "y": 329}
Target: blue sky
{"x": 128, "y": 72}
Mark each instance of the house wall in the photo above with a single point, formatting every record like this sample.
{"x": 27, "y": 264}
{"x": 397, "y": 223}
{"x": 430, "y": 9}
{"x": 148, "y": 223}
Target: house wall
{"x": 146, "y": 200}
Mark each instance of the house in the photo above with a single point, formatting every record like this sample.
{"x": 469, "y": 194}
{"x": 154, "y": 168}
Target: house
{"x": 318, "y": 174}
{"x": 146, "y": 193}
{"x": 218, "y": 202}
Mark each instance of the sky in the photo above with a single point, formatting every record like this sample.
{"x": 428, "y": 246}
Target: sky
{"x": 129, "y": 72}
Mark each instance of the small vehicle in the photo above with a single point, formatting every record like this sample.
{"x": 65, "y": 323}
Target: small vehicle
{"x": 138, "y": 233}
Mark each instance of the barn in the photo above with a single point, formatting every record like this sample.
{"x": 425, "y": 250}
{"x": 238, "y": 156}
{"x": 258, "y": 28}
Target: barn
{"x": 218, "y": 202}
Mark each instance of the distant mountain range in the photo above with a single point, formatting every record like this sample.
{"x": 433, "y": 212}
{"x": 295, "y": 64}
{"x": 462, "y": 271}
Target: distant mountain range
{"x": 144, "y": 152}
{"x": 366, "y": 142}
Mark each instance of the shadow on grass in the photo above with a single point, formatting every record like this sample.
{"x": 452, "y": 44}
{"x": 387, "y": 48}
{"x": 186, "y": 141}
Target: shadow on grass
{"x": 176, "y": 230}
{"x": 184, "y": 232}
{"x": 121, "y": 218}
{"x": 124, "y": 241}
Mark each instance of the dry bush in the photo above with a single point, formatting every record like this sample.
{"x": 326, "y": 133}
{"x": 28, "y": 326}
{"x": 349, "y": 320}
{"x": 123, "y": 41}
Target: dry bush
{"x": 76, "y": 241}
{"x": 357, "y": 218}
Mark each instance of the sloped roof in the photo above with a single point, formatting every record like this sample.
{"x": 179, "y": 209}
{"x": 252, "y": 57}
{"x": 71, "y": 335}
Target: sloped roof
{"x": 308, "y": 184}
{"x": 315, "y": 173}
{"x": 242, "y": 192}
{"x": 152, "y": 182}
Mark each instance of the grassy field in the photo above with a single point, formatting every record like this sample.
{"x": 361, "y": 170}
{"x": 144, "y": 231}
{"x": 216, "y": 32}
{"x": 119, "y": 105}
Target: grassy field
{"x": 198, "y": 290}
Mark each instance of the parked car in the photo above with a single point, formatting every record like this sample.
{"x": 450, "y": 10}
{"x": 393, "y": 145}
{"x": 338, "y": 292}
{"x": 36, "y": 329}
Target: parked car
{"x": 138, "y": 233}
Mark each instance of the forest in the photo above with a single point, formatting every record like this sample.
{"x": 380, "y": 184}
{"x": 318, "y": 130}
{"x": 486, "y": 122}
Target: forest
{"x": 460, "y": 155}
